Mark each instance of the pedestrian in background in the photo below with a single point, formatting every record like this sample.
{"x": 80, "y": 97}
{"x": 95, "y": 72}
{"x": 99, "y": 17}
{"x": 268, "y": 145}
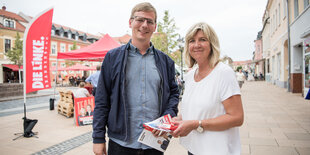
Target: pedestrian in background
{"x": 93, "y": 79}
{"x": 81, "y": 91}
{"x": 240, "y": 77}
{"x": 211, "y": 106}
{"x": 136, "y": 85}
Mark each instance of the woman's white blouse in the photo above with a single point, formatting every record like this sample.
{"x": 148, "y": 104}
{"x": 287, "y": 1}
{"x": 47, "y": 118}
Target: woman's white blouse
{"x": 203, "y": 100}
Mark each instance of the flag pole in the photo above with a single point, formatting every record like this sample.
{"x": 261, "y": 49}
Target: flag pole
{"x": 24, "y": 72}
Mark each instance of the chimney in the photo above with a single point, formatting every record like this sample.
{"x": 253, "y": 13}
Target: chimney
{"x": 3, "y": 8}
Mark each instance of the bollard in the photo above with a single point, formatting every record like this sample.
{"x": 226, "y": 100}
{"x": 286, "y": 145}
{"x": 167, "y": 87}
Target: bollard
{"x": 52, "y": 103}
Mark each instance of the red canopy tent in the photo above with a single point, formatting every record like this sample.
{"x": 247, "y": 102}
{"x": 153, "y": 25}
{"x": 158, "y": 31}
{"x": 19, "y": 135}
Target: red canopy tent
{"x": 95, "y": 51}
{"x": 78, "y": 67}
{"x": 53, "y": 68}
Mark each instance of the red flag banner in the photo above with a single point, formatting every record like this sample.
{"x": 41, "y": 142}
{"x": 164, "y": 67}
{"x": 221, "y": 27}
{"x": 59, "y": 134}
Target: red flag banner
{"x": 36, "y": 52}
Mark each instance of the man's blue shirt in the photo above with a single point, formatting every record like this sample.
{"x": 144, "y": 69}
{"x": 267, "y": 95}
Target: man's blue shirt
{"x": 142, "y": 94}
{"x": 93, "y": 79}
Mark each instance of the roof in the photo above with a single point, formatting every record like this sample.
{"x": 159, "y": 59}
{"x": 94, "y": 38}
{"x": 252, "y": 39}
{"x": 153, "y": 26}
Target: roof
{"x": 242, "y": 62}
{"x": 16, "y": 18}
{"x": 123, "y": 39}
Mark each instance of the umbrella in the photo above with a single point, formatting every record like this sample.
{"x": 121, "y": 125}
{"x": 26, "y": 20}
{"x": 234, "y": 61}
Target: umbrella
{"x": 78, "y": 67}
{"x": 53, "y": 68}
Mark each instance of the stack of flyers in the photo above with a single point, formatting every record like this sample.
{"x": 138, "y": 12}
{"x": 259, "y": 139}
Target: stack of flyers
{"x": 163, "y": 123}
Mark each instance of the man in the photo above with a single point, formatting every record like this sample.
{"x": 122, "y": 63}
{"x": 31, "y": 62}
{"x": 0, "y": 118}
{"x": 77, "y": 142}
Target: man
{"x": 136, "y": 86}
{"x": 93, "y": 79}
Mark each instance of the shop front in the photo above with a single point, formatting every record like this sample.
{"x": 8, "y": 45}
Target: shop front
{"x": 306, "y": 45}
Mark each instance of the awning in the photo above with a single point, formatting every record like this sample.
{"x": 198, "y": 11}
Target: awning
{"x": 13, "y": 67}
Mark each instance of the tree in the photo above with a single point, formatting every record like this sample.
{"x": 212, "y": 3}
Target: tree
{"x": 160, "y": 42}
{"x": 70, "y": 62}
{"x": 165, "y": 38}
{"x": 16, "y": 54}
{"x": 238, "y": 68}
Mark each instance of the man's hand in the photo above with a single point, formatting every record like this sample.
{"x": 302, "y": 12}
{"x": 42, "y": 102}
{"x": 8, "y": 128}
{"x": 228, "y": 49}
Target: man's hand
{"x": 99, "y": 149}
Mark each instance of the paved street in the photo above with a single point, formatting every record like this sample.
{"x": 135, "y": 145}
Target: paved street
{"x": 276, "y": 123}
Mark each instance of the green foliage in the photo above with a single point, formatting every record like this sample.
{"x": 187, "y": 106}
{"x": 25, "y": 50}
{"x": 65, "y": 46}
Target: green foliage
{"x": 159, "y": 41}
{"x": 239, "y": 67}
{"x": 74, "y": 47}
{"x": 70, "y": 62}
{"x": 168, "y": 27}
{"x": 16, "y": 53}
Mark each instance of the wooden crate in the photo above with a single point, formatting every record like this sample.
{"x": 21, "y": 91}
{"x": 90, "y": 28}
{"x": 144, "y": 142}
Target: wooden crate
{"x": 65, "y": 108}
{"x": 65, "y": 95}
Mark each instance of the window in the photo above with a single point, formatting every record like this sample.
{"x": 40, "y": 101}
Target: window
{"x": 296, "y": 9}
{"x": 54, "y": 48}
{"x": 9, "y": 23}
{"x": 268, "y": 66}
{"x": 63, "y": 65}
{"x": 279, "y": 16}
{"x": 53, "y": 32}
{"x": 276, "y": 19}
{"x": 284, "y": 8}
{"x": 53, "y": 64}
{"x": 307, "y": 71}
{"x": 62, "y": 47}
{"x": 278, "y": 65}
{"x": 70, "y": 47}
{"x": 7, "y": 45}
{"x": 306, "y": 3}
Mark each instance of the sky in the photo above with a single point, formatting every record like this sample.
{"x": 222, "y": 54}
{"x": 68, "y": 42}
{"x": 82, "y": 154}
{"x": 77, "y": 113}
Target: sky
{"x": 236, "y": 22}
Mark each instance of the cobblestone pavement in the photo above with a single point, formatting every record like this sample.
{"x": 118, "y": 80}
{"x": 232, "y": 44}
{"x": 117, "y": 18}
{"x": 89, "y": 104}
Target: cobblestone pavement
{"x": 276, "y": 123}
{"x": 67, "y": 145}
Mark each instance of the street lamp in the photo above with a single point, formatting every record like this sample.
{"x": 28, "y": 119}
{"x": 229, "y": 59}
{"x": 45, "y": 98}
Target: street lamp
{"x": 181, "y": 47}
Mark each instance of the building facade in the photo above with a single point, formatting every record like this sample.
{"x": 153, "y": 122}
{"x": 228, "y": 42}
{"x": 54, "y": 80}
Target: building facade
{"x": 275, "y": 46}
{"x": 286, "y": 54}
{"x": 258, "y": 61}
{"x": 10, "y": 24}
{"x": 62, "y": 40}
{"x": 299, "y": 15}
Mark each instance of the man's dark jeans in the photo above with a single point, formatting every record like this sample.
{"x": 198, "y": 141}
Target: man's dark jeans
{"x": 116, "y": 149}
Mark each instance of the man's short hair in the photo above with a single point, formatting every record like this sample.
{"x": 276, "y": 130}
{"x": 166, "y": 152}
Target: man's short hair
{"x": 144, "y": 7}
{"x": 98, "y": 67}
{"x": 82, "y": 84}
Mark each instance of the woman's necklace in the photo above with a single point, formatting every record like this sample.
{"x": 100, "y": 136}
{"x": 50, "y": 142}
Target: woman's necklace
{"x": 200, "y": 75}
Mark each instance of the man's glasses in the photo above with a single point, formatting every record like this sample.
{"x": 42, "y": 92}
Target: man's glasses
{"x": 141, "y": 20}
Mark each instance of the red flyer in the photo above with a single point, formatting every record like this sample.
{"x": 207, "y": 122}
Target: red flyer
{"x": 83, "y": 110}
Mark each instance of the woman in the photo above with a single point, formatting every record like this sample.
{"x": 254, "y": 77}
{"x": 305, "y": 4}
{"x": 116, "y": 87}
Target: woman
{"x": 240, "y": 77}
{"x": 211, "y": 107}
{"x": 81, "y": 91}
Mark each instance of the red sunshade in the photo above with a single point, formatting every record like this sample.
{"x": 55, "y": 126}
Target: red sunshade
{"x": 13, "y": 67}
{"x": 78, "y": 67}
{"x": 53, "y": 68}
{"x": 96, "y": 50}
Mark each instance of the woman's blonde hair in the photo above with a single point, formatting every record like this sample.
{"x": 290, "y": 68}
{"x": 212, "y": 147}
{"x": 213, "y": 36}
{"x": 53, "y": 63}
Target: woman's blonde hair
{"x": 210, "y": 34}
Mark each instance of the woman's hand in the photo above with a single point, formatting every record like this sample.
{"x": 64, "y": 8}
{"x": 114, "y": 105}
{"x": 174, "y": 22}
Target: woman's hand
{"x": 158, "y": 133}
{"x": 184, "y": 127}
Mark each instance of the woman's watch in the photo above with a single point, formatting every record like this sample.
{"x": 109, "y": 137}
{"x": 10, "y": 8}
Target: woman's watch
{"x": 200, "y": 129}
